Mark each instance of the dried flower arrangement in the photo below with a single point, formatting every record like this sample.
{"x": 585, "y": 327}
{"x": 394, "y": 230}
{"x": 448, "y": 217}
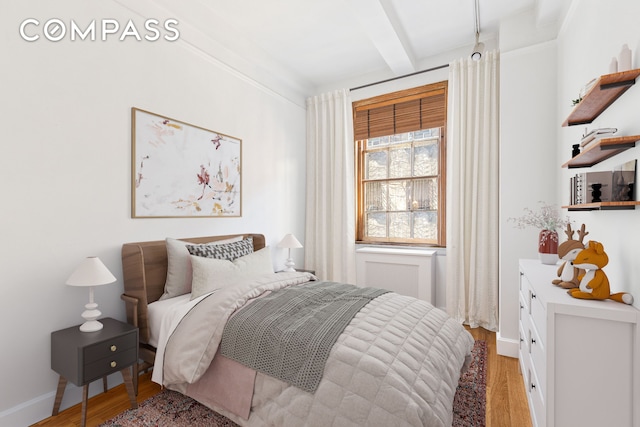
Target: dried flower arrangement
{"x": 547, "y": 218}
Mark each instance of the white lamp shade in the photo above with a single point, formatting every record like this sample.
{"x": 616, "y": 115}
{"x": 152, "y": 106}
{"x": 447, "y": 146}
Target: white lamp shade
{"x": 91, "y": 272}
{"x": 289, "y": 241}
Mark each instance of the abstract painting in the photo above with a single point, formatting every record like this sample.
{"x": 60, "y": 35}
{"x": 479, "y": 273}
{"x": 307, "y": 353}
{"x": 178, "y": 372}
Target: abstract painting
{"x": 182, "y": 170}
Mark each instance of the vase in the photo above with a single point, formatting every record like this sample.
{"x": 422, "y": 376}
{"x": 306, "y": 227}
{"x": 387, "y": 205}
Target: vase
{"x": 548, "y": 246}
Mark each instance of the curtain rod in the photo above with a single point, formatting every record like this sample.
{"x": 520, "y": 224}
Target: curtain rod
{"x": 400, "y": 77}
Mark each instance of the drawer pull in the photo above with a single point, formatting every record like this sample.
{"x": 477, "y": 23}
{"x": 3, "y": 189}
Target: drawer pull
{"x": 533, "y": 341}
{"x": 533, "y": 386}
{"x": 533, "y": 295}
{"x": 114, "y": 348}
{"x": 114, "y": 364}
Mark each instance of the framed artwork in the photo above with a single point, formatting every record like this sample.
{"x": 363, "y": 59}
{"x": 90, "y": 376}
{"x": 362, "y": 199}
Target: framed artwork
{"x": 624, "y": 178}
{"x": 182, "y": 170}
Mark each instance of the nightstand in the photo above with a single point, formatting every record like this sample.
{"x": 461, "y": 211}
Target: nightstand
{"x": 83, "y": 357}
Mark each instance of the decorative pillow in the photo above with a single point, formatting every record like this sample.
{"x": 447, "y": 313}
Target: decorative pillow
{"x": 228, "y": 251}
{"x": 210, "y": 274}
{"x": 179, "y": 265}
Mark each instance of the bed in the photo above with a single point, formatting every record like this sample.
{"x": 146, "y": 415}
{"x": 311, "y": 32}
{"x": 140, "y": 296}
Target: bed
{"x": 377, "y": 359}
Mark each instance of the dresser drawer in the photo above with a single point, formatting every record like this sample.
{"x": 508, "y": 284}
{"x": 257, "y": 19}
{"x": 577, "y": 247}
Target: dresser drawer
{"x": 538, "y": 363}
{"x": 525, "y": 366}
{"x": 522, "y": 335}
{"x": 538, "y": 409}
{"x": 107, "y": 348}
{"x": 108, "y": 365}
{"x": 525, "y": 292}
{"x": 538, "y": 315}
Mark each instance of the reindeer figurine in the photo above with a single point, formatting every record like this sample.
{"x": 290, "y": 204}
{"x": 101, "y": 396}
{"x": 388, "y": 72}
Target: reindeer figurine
{"x": 569, "y": 276}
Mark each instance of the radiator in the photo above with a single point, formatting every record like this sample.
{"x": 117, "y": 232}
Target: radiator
{"x": 408, "y": 272}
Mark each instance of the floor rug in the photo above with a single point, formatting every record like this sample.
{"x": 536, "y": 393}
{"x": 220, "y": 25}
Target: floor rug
{"x": 171, "y": 409}
{"x": 470, "y": 401}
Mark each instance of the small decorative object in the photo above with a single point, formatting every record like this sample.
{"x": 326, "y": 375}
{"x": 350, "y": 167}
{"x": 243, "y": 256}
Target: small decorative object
{"x": 596, "y": 134}
{"x": 613, "y": 66}
{"x": 586, "y": 88}
{"x": 568, "y": 274}
{"x": 548, "y": 221}
{"x": 595, "y": 283}
{"x": 182, "y": 170}
{"x": 576, "y": 101}
{"x": 624, "y": 59}
{"x": 289, "y": 242}
{"x": 623, "y": 180}
{"x": 596, "y": 193}
{"x": 575, "y": 150}
{"x": 91, "y": 272}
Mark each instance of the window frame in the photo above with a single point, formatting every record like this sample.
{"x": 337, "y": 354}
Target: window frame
{"x": 360, "y": 150}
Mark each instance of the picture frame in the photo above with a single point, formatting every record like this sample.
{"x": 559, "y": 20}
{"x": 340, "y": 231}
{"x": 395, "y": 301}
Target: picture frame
{"x": 180, "y": 170}
{"x": 623, "y": 182}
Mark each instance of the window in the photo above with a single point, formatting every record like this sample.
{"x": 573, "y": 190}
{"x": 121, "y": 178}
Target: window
{"x": 400, "y": 142}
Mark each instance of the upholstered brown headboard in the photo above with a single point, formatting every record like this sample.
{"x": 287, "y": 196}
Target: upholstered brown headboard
{"x": 144, "y": 267}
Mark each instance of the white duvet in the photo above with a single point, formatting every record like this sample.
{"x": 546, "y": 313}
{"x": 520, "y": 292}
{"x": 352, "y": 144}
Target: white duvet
{"x": 397, "y": 363}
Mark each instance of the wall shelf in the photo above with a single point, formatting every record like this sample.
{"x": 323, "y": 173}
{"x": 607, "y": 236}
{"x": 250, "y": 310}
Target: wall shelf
{"x": 604, "y": 92}
{"x": 602, "y": 206}
{"x": 600, "y": 150}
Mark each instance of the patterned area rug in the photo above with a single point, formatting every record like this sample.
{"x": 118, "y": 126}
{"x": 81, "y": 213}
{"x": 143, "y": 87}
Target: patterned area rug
{"x": 171, "y": 409}
{"x": 470, "y": 402}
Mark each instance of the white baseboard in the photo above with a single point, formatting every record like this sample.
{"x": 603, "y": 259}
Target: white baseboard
{"x": 34, "y": 410}
{"x": 507, "y": 346}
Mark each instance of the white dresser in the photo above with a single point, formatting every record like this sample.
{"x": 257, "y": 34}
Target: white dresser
{"x": 580, "y": 360}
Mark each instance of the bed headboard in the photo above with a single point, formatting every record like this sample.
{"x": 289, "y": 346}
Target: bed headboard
{"x": 144, "y": 268}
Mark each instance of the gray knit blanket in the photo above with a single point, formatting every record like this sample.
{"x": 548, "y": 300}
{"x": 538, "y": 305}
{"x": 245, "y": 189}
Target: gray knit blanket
{"x": 289, "y": 333}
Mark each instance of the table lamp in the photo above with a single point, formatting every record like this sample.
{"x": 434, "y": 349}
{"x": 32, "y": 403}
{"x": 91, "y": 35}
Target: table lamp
{"x": 289, "y": 242}
{"x": 91, "y": 272}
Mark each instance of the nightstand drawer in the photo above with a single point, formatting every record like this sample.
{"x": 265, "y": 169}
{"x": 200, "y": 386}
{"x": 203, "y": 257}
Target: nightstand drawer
{"x": 110, "y": 364}
{"x": 111, "y": 347}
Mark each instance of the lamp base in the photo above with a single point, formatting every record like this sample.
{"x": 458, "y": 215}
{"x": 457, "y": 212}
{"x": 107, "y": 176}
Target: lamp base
{"x": 90, "y": 314}
{"x": 289, "y": 265}
{"x": 91, "y": 326}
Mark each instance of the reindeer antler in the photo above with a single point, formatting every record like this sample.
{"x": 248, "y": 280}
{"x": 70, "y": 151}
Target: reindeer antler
{"x": 569, "y": 232}
{"x": 582, "y": 233}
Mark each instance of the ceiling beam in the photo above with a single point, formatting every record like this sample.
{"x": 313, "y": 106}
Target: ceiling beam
{"x": 381, "y": 25}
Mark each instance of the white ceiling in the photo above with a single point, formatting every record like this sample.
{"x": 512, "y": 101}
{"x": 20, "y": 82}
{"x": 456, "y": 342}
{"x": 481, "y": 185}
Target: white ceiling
{"x": 320, "y": 43}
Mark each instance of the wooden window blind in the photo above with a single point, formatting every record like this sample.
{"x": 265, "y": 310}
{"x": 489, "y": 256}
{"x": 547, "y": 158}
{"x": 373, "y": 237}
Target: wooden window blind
{"x": 405, "y": 111}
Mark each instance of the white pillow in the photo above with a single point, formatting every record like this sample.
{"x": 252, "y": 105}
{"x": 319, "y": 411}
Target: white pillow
{"x": 210, "y": 274}
{"x": 179, "y": 266}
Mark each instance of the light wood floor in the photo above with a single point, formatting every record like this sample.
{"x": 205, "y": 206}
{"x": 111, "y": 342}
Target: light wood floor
{"x": 506, "y": 400}
{"x": 103, "y": 406}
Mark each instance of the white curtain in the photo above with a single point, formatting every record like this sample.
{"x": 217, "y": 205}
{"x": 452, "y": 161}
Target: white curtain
{"x": 473, "y": 191}
{"x": 330, "y": 207}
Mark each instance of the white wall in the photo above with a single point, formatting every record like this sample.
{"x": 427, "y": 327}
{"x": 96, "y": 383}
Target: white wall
{"x": 65, "y": 170}
{"x": 594, "y": 33}
{"x": 528, "y": 168}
